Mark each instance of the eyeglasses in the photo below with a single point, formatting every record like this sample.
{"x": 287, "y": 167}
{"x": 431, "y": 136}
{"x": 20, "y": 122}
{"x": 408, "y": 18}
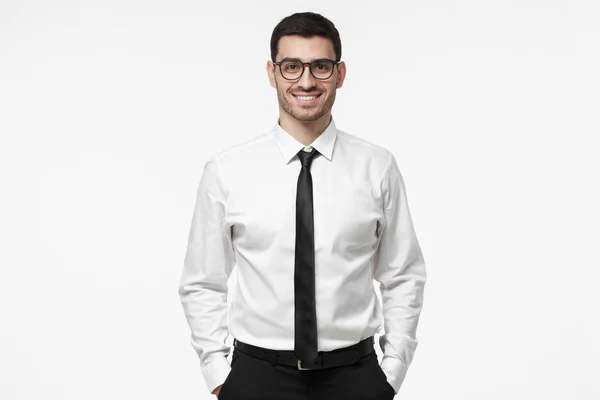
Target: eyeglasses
{"x": 293, "y": 68}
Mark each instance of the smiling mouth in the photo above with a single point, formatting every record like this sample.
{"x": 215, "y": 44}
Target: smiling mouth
{"x": 307, "y": 99}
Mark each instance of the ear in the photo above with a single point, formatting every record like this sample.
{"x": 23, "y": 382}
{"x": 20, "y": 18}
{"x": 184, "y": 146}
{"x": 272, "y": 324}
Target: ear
{"x": 271, "y": 73}
{"x": 341, "y": 75}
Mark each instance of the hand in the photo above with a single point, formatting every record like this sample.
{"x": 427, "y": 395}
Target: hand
{"x": 217, "y": 390}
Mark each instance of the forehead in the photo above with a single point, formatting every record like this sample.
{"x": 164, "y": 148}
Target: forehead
{"x": 306, "y": 49}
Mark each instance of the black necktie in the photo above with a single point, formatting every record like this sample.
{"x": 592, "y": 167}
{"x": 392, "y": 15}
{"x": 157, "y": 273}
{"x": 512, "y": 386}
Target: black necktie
{"x": 305, "y": 344}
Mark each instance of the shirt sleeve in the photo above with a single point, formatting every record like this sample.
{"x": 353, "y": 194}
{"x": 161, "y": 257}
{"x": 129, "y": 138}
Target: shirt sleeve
{"x": 208, "y": 263}
{"x": 399, "y": 267}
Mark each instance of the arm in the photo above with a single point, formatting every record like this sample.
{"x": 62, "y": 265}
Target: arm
{"x": 208, "y": 263}
{"x": 399, "y": 267}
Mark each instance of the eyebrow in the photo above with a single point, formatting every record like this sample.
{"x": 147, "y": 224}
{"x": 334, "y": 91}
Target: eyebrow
{"x": 297, "y": 59}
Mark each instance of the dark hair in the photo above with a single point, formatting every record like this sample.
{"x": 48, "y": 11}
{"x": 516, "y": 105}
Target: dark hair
{"x": 306, "y": 24}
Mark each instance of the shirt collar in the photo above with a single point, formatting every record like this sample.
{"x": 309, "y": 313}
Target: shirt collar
{"x": 289, "y": 146}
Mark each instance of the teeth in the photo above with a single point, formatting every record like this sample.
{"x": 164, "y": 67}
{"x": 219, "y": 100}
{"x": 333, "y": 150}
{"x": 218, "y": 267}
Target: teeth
{"x": 306, "y": 97}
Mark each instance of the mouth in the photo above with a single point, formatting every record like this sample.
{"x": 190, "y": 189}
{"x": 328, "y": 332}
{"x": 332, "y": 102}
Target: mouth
{"x": 307, "y": 99}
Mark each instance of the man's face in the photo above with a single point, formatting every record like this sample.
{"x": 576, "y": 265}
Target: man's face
{"x": 307, "y": 50}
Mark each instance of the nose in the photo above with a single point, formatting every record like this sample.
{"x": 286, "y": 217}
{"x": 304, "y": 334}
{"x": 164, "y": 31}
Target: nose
{"x": 307, "y": 80}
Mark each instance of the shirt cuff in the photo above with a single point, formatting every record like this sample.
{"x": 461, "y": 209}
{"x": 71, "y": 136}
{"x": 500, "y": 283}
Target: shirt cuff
{"x": 395, "y": 371}
{"x": 215, "y": 372}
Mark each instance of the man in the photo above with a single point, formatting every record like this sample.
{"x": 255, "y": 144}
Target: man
{"x": 309, "y": 215}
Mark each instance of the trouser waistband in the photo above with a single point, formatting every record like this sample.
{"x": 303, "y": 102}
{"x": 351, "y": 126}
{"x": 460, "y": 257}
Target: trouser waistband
{"x": 325, "y": 359}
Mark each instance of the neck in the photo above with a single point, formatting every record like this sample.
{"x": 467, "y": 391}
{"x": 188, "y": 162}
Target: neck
{"x": 304, "y": 131}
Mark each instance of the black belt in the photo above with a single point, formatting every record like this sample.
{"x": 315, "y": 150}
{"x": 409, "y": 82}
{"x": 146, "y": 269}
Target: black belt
{"x": 325, "y": 359}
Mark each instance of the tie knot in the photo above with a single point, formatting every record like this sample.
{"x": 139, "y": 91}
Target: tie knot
{"x": 306, "y": 157}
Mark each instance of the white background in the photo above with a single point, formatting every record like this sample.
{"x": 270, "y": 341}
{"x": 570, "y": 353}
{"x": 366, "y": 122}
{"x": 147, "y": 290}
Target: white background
{"x": 109, "y": 110}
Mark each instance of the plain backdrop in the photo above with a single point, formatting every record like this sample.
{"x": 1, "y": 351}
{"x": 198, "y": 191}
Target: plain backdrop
{"x": 110, "y": 109}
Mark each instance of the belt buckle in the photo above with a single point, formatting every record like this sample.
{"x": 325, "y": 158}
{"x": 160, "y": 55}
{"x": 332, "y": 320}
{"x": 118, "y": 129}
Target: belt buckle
{"x": 300, "y": 367}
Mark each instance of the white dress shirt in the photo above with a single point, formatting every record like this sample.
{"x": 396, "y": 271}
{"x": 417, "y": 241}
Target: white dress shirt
{"x": 245, "y": 218}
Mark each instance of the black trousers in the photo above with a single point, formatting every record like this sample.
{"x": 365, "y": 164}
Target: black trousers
{"x": 257, "y": 379}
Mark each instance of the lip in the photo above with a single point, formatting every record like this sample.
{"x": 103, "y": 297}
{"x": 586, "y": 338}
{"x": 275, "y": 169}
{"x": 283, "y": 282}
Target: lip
{"x": 307, "y": 101}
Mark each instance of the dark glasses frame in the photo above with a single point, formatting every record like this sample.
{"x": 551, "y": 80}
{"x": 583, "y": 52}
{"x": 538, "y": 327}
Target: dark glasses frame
{"x": 310, "y": 67}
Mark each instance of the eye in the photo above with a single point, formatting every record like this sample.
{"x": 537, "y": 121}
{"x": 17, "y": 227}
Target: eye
{"x": 290, "y": 66}
{"x": 321, "y": 66}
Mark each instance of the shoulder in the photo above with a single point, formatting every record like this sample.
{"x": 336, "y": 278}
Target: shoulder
{"x": 376, "y": 155}
{"x": 238, "y": 151}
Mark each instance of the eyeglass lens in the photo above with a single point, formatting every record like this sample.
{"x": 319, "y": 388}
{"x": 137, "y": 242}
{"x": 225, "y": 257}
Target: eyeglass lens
{"x": 320, "y": 69}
